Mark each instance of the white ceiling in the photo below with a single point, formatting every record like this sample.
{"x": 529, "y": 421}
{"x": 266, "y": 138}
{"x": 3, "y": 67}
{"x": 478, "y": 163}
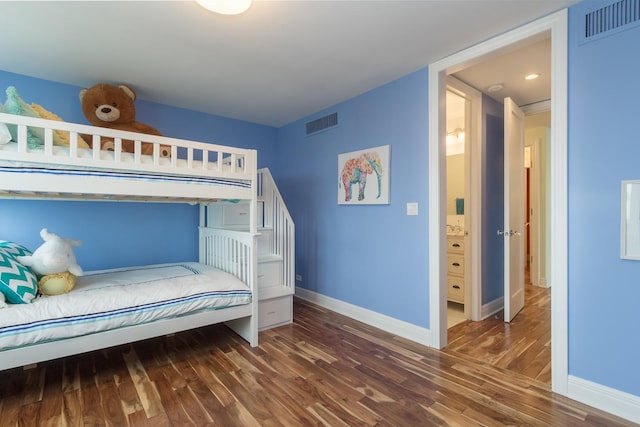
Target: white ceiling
{"x": 509, "y": 70}
{"x": 278, "y": 62}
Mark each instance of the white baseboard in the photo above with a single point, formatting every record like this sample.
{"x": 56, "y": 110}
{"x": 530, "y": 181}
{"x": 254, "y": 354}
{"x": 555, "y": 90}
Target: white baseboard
{"x": 492, "y": 308}
{"x": 380, "y": 321}
{"x": 542, "y": 283}
{"x": 607, "y": 399}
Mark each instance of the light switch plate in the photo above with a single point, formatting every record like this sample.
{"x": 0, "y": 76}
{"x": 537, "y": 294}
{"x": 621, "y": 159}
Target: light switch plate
{"x": 412, "y": 208}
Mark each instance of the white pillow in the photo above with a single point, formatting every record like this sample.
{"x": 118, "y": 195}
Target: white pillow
{"x": 5, "y": 136}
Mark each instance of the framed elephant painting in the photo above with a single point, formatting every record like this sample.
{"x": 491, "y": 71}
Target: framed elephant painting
{"x": 363, "y": 177}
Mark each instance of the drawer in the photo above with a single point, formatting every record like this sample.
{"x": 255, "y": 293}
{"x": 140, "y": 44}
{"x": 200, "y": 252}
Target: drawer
{"x": 455, "y": 264}
{"x": 235, "y": 214}
{"x": 455, "y": 245}
{"x": 275, "y": 312}
{"x": 269, "y": 274}
{"x": 455, "y": 289}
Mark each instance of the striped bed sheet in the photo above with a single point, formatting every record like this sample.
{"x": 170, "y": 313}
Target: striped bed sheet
{"x": 112, "y": 299}
{"x": 21, "y": 167}
{"x": 126, "y": 175}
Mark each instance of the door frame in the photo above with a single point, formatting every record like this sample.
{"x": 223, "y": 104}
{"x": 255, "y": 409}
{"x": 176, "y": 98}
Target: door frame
{"x": 539, "y": 232}
{"x": 534, "y": 212}
{"x": 556, "y": 24}
{"x": 473, "y": 190}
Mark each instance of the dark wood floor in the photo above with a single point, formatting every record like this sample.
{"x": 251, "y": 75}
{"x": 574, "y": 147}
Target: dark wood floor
{"x": 325, "y": 369}
{"x": 522, "y": 346}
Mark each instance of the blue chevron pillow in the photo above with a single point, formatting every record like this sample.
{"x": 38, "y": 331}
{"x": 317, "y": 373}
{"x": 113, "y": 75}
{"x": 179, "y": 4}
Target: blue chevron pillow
{"x": 18, "y": 284}
{"x": 14, "y": 249}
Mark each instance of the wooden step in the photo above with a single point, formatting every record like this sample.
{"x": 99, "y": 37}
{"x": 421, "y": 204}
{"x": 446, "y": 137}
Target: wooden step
{"x": 275, "y": 311}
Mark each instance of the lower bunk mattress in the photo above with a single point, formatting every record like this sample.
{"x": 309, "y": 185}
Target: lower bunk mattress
{"x": 112, "y": 299}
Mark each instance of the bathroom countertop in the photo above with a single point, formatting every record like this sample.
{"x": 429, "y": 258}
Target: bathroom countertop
{"x": 455, "y": 230}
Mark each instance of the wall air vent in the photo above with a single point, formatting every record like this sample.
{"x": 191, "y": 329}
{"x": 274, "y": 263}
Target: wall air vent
{"x": 322, "y": 123}
{"x": 615, "y": 17}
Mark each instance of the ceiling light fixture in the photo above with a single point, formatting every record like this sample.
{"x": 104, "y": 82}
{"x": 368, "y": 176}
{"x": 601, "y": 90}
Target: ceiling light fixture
{"x": 531, "y": 76}
{"x": 495, "y": 88}
{"x": 455, "y": 142}
{"x": 225, "y": 7}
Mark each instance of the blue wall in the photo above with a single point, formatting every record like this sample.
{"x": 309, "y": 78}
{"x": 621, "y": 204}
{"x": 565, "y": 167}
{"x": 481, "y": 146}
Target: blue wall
{"x": 113, "y": 234}
{"x": 365, "y": 254}
{"x": 604, "y": 290}
{"x": 371, "y": 256}
{"x": 376, "y": 257}
{"x": 117, "y": 234}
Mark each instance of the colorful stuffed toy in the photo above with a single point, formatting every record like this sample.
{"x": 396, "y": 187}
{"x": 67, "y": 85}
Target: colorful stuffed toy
{"x": 55, "y": 255}
{"x": 56, "y": 284}
{"x": 113, "y": 107}
{"x": 55, "y": 262}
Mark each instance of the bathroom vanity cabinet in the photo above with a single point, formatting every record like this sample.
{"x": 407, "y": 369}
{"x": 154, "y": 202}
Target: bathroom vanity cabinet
{"x": 455, "y": 268}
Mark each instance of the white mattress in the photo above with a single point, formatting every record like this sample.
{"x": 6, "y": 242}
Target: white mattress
{"x": 113, "y": 299}
{"x": 62, "y": 153}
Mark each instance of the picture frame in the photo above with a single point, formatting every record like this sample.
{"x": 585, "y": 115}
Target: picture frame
{"x": 363, "y": 176}
{"x": 630, "y": 220}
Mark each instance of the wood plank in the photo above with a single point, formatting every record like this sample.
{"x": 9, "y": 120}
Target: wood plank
{"x": 146, "y": 390}
{"x": 89, "y": 396}
{"x": 522, "y": 346}
{"x": 72, "y": 410}
{"x": 51, "y": 403}
{"x": 324, "y": 369}
{"x": 174, "y": 408}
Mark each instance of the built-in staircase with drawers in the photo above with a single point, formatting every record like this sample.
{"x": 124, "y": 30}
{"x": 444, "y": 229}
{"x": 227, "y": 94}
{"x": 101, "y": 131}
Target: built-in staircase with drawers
{"x": 276, "y": 250}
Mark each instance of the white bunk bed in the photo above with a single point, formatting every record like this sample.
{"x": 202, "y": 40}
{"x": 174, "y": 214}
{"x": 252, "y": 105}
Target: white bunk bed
{"x": 193, "y": 173}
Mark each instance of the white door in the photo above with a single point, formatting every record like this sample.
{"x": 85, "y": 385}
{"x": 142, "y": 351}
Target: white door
{"x": 513, "y": 210}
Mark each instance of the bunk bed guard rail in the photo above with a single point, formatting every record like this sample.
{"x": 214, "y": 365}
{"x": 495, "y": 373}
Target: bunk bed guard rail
{"x": 186, "y": 159}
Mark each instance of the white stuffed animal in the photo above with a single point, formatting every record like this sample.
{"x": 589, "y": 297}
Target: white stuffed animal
{"x": 55, "y": 255}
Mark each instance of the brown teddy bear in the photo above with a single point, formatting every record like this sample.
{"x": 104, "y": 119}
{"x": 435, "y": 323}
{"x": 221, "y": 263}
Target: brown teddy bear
{"x": 113, "y": 107}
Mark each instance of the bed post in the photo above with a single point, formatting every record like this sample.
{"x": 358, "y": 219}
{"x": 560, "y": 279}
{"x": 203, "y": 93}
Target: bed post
{"x": 246, "y": 327}
{"x": 203, "y": 215}
{"x": 253, "y": 211}
{"x": 251, "y": 166}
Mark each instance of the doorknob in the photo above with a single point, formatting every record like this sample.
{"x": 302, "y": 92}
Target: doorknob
{"x": 508, "y": 233}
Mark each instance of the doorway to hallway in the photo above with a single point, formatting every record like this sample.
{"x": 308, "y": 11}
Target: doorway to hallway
{"x": 522, "y": 346}
{"x": 555, "y": 25}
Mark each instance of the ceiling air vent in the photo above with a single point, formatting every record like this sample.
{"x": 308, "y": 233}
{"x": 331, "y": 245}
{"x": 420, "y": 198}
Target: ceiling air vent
{"x": 615, "y": 17}
{"x": 322, "y": 123}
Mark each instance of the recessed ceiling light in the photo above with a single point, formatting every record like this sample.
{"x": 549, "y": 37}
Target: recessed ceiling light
{"x": 531, "y": 76}
{"x": 495, "y": 87}
{"x": 225, "y": 7}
